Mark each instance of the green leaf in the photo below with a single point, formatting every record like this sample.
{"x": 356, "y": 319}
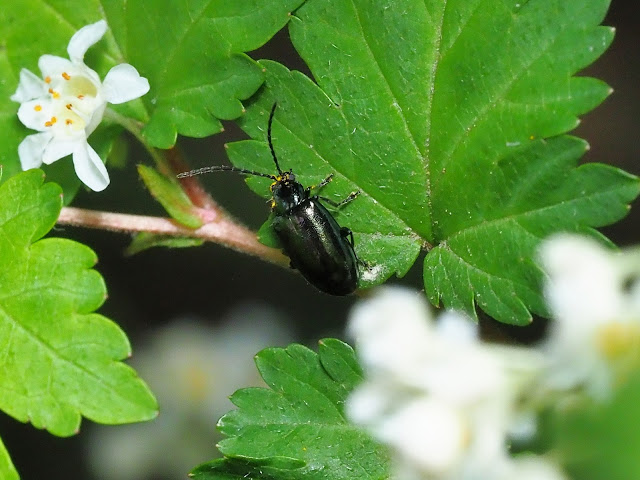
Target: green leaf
{"x": 297, "y": 429}
{"x": 600, "y": 442}
{"x": 267, "y": 236}
{"x": 239, "y": 469}
{"x": 144, "y": 241}
{"x": 538, "y": 192}
{"x": 194, "y": 62}
{"x": 7, "y": 470}
{"x": 448, "y": 117}
{"x": 59, "y": 359}
{"x": 168, "y": 192}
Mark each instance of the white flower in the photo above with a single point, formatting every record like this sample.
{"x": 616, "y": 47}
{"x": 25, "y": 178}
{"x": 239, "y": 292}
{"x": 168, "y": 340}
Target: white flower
{"x": 532, "y": 467}
{"x": 67, "y": 105}
{"x": 594, "y": 297}
{"x": 439, "y": 399}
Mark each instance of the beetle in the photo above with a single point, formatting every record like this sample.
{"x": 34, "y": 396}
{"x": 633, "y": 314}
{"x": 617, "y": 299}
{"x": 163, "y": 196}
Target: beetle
{"x": 317, "y": 246}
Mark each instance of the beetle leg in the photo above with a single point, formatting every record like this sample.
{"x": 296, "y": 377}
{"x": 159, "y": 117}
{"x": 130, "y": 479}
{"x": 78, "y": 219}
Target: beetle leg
{"x": 322, "y": 184}
{"x": 347, "y": 234}
{"x": 325, "y": 182}
{"x": 349, "y": 198}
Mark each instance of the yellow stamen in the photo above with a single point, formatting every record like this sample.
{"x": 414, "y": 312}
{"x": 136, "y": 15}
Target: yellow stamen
{"x": 54, "y": 93}
{"x": 66, "y": 76}
{"x": 68, "y": 121}
{"x": 37, "y": 108}
{"x": 80, "y": 97}
{"x": 47, "y": 79}
{"x": 68, "y": 105}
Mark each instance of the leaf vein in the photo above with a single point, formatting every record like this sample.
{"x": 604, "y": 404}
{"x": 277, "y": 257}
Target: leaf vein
{"x": 498, "y": 96}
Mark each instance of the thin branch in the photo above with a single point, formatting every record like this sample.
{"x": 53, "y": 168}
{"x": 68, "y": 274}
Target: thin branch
{"x": 222, "y": 231}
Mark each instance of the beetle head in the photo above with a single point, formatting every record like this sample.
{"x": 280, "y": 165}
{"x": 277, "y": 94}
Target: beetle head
{"x": 286, "y": 192}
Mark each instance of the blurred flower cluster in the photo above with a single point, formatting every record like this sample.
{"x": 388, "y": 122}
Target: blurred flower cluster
{"x": 192, "y": 367}
{"x": 448, "y": 405}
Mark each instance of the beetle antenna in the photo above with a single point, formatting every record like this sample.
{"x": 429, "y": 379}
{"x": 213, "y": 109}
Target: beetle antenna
{"x": 223, "y": 168}
{"x": 273, "y": 152}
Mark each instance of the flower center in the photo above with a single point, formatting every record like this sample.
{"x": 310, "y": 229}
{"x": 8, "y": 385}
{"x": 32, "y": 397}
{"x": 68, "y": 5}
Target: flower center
{"x": 74, "y": 100}
{"x": 618, "y": 339}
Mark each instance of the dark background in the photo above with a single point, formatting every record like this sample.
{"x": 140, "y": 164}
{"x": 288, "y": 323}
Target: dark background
{"x": 155, "y": 286}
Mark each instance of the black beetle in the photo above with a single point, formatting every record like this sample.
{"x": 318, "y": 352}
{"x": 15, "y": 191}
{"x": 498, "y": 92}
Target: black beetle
{"x": 317, "y": 246}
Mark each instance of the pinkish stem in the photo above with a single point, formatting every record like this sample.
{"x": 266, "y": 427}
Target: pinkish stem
{"x": 222, "y": 231}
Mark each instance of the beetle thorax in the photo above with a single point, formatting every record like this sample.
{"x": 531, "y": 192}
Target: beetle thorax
{"x": 287, "y": 193}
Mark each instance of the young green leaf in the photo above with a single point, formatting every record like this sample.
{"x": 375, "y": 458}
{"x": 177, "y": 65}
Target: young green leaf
{"x": 7, "y": 470}
{"x": 144, "y": 241}
{"x": 448, "y": 117}
{"x": 171, "y": 196}
{"x": 296, "y": 429}
{"x": 59, "y": 359}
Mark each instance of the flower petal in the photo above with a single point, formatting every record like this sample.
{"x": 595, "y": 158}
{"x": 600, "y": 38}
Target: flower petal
{"x": 30, "y": 87}
{"x": 84, "y": 38}
{"x": 31, "y": 149}
{"x": 96, "y": 118}
{"x": 369, "y": 403}
{"x": 34, "y": 113}
{"x": 61, "y": 147}
{"x": 392, "y": 330}
{"x": 428, "y": 434}
{"x": 583, "y": 289}
{"x": 533, "y": 467}
{"x": 124, "y": 83}
{"x": 51, "y": 66}
{"x": 89, "y": 168}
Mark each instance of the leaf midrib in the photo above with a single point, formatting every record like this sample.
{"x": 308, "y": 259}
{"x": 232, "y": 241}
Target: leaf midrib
{"x": 428, "y": 113}
{"x": 402, "y": 116}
